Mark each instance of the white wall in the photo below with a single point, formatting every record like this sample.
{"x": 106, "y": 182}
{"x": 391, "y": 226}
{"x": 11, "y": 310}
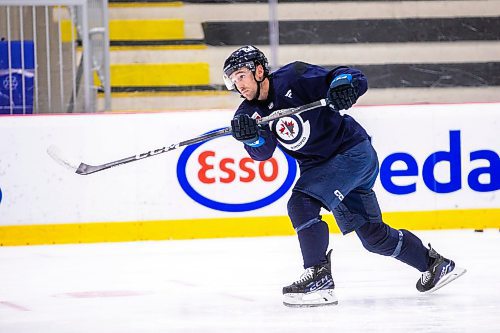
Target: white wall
{"x": 37, "y": 190}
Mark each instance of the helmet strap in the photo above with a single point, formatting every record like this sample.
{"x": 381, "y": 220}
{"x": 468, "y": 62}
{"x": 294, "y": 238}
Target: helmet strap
{"x": 257, "y": 95}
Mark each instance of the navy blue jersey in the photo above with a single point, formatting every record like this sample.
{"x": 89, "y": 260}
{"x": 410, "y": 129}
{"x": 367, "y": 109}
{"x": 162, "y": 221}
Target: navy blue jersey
{"x": 310, "y": 137}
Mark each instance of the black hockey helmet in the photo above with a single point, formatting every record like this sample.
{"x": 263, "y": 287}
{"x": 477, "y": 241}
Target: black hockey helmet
{"x": 247, "y": 56}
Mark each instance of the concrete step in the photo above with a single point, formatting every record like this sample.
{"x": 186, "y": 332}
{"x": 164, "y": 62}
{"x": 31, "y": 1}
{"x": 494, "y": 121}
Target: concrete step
{"x": 322, "y": 10}
{"x": 159, "y": 74}
{"x": 147, "y": 101}
{"x": 146, "y": 29}
{"x": 326, "y": 54}
{"x": 195, "y": 14}
{"x": 132, "y": 102}
{"x": 136, "y": 30}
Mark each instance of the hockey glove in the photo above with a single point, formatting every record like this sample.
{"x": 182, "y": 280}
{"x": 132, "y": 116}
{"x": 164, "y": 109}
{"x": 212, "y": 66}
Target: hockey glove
{"x": 245, "y": 129}
{"x": 343, "y": 92}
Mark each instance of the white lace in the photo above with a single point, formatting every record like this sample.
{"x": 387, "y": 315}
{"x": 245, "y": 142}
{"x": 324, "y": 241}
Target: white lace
{"x": 308, "y": 274}
{"x": 425, "y": 277}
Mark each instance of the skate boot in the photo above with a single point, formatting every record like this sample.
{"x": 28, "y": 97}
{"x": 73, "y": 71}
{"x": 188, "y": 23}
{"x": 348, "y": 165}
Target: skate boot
{"x": 441, "y": 272}
{"x": 314, "y": 288}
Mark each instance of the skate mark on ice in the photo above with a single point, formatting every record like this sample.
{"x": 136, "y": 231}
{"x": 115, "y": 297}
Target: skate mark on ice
{"x": 14, "y": 306}
{"x": 103, "y": 293}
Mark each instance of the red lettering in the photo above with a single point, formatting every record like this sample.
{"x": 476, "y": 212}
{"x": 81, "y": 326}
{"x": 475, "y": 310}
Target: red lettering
{"x": 274, "y": 170}
{"x": 202, "y": 173}
{"x": 231, "y": 175}
{"x": 228, "y": 169}
{"x": 250, "y": 173}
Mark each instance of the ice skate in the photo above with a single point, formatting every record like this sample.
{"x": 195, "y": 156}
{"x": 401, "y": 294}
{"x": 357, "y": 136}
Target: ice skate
{"x": 441, "y": 272}
{"x": 314, "y": 288}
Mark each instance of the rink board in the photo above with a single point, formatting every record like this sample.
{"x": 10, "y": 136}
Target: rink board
{"x": 439, "y": 170}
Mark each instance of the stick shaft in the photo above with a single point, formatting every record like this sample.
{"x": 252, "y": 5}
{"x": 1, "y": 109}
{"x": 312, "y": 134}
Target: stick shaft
{"x": 288, "y": 112}
{"x": 86, "y": 169}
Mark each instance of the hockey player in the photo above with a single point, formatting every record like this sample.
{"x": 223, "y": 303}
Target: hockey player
{"x": 338, "y": 167}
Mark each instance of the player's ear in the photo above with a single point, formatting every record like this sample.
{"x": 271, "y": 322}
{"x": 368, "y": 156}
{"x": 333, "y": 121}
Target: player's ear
{"x": 259, "y": 72}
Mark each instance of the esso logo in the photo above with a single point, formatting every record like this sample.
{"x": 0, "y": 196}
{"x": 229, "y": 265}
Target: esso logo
{"x": 0, "y": 195}
{"x": 220, "y": 175}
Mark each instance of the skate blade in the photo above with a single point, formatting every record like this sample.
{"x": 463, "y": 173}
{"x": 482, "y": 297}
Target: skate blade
{"x": 317, "y": 298}
{"x": 451, "y": 276}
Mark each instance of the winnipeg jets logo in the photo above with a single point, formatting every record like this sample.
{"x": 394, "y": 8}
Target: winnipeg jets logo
{"x": 292, "y": 131}
{"x": 289, "y": 93}
{"x": 287, "y": 128}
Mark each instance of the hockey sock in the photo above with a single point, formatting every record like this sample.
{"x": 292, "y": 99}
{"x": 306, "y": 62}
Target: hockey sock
{"x": 312, "y": 231}
{"x": 314, "y": 243}
{"x": 401, "y": 244}
{"x": 413, "y": 252}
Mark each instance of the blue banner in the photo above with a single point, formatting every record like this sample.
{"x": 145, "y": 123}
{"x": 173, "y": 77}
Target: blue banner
{"x": 16, "y": 80}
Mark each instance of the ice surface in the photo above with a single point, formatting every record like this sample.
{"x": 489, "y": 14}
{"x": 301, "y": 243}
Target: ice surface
{"x": 234, "y": 285}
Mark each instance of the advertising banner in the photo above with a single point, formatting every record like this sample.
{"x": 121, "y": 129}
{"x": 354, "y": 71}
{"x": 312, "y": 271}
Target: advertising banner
{"x": 432, "y": 158}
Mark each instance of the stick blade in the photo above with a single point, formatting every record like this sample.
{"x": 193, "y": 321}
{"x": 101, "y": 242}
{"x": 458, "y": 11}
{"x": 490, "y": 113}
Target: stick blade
{"x": 86, "y": 169}
{"x": 55, "y": 153}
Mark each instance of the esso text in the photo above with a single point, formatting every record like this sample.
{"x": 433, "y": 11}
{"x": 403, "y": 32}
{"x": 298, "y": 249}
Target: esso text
{"x": 226, "y": 170}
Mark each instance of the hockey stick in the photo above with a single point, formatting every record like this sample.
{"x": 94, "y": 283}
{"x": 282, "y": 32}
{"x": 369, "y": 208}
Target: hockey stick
{"x": 86, "y": 169}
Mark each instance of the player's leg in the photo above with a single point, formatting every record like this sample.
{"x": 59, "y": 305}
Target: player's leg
{"x": 360, "y": 207}
{"x": 378, "y": 237}
{"x": 312, "y": 231}
{"x": 405, "y": 246}
{"x": 315, "y": 286}
{"x": 324, "y": 185}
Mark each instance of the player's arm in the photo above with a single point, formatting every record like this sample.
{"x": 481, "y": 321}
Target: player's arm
{"x": 342, "y": 85}
{"x": 259, "y": 142}
{"x": 346, "y": 84}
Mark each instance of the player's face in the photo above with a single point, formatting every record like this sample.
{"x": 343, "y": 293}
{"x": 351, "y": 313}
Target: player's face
{"x": 245, "y": 83}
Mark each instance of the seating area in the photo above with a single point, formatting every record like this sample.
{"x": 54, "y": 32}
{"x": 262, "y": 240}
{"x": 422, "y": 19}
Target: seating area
{"x": 168, "y": 55}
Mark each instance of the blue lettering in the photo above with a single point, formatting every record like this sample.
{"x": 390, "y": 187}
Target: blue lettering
{"x": 493, "y": 170}
{"x": 0, "y": 195}
{"x": 453, "y": 158}
{"x": 386, "y": 173}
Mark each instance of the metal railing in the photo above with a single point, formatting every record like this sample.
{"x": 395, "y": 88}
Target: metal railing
{"x": 54, "y": 56}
